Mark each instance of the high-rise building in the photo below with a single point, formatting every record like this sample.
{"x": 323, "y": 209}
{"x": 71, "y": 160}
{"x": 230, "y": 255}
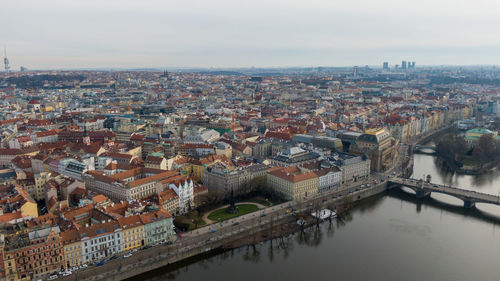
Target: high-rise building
{"x": 385, "y": 66}
{"x": 403, "y": 64}
{"x": 355, "y": 71}
{"x": 6, "y": 60}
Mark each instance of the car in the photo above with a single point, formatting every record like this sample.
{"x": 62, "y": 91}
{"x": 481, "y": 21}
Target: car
{"x": 213, "y": 231}
{"x": 236, "y": 223}
{"x": 52, "y": 277}
{"x": 179, "y": 234}
{"x": 82, "y": 266}
{"x": 263, "y": 215}
{"x": 101, "y": 263}
{"x": 127, "y": 255}
{"x": 362, "y": 185}
{"x": 67, "y": 273}
{"x": 170, "y": 242}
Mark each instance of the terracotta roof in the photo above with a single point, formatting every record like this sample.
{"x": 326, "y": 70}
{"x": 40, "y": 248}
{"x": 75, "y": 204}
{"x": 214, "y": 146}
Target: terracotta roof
{"x": 130, "y": 221}
{"x": 119, "y": 155}
{"x": 70, "y": 236}
{"x": 99, "y": 229}
{"x": 5, "y": 218}
{"x": 292, "y": 174}
{"x": 47, "y": 133}
{"x": 156, "y": 177}
{"x": 99, "y": 198}
{"x": 154, "y": 216}
{"x": 167, "y": 195}
{"x": 154, "y": 159}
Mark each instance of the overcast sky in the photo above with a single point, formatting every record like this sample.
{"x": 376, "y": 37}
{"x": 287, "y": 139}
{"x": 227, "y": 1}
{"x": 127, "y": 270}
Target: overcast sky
{"x": 50, "y": 34}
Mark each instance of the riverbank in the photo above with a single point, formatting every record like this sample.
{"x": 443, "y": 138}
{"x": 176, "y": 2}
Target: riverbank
{"x": 465, "y": 170}
{"x": 285, "y": 228}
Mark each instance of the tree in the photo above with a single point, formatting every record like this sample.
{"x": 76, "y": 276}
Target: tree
{"x": 451, "y": 146}
{"x": 485, "y": 150}
{"x": 195, "y": 217}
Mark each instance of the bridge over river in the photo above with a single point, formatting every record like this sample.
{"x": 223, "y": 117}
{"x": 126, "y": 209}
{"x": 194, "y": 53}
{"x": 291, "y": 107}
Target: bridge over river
{"x": 423, "y": 189}
{"x": 425, "y": 149}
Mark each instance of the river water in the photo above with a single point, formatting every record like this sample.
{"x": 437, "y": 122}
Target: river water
{"x": 388, "y": 237}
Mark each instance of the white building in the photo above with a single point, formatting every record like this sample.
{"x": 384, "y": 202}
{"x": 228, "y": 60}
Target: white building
{"x": 329, "y": 179}
{"x": 74, "y": 168}
{"x": 186, "y": 195}
{"x": 100, "y": 241}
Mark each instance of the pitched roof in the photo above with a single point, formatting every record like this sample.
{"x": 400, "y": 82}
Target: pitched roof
{"x": 292, "y": 174}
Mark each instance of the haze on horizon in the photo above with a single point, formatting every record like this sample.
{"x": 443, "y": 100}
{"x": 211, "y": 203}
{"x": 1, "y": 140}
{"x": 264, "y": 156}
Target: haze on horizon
{"x": 55, "y": 34}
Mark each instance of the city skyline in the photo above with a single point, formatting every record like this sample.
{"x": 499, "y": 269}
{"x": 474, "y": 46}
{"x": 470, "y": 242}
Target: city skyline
{"x": 222, "y": 34}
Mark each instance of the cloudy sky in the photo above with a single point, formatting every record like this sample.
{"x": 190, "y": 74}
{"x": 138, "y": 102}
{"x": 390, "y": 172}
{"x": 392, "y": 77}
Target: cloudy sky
{"x": 52, "y": 34}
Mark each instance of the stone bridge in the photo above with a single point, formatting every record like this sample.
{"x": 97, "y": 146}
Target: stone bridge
{"x": 422, "y": 149}
{"x": 423, "y": 189}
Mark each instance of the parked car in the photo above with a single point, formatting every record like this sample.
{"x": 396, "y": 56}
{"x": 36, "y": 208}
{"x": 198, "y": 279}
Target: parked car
{"x": 83, "y": 266}
{"x": 52, "y": 277}
{"x": 101, "y": 263}
{"x": 127, "y": 255}
{"x": 213, "y": 231}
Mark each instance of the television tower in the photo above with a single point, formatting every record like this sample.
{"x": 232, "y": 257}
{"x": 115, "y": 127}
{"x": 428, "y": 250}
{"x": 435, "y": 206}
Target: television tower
{"x": 6, "y": 60}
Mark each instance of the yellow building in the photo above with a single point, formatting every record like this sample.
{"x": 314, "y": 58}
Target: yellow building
{"x": 132, "y": 232}
{"x": 28, "y": 205}
{"x": 72, "y": 248}
{"x": 9, "y": 262}
{"x": 10, "y": 267}
{"x": 196, "y": 167}
{"x": 293, "y": 183}
{"x": 379, "y": 146}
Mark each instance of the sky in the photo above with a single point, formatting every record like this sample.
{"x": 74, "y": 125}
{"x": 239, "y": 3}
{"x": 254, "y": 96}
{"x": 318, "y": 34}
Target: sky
{"x": 70, "y": 34}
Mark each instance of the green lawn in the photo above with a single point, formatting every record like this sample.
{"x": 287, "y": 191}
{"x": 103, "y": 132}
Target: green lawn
{"x": 223, "y": 215}
{"x": 186, "y": 220}
{"x": 468, "y": 162}
{"x": 260, "y": 200}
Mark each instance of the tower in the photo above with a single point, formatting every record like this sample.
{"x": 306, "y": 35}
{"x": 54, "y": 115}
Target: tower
{"x": 233, "y": 125}
{"x": 385, "y": 66}
{"x": 355, "y": 71}
{"x": 6, "y": 60}
{"x": 403, "y": 65}
{"x": 86, "y": 137}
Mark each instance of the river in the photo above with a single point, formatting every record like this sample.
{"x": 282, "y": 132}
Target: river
{"x": 388, "y": 237}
